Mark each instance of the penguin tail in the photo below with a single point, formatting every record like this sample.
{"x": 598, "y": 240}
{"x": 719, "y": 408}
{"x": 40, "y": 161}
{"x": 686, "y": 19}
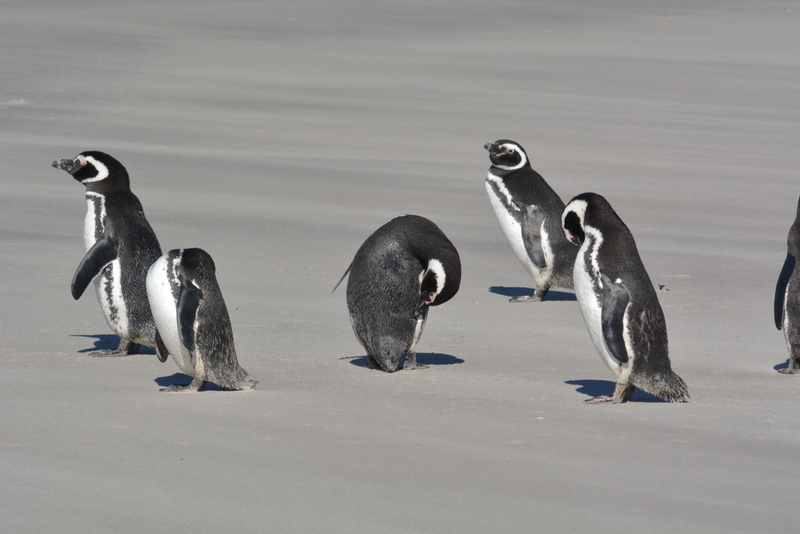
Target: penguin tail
{"x": 238, "y": 379}
{"x": 342, "y": 278}
{"x": 667, "y": 386}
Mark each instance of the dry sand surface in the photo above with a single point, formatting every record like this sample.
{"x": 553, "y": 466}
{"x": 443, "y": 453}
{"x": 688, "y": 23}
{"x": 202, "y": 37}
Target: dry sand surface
{"x": 277, "y": 136}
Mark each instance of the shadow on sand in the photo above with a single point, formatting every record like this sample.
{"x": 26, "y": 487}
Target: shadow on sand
{"x": 512, "y": 292}
{"x": 780, "y": 366}
{"x": 596, "y": 388}
{"x": 109, "y": 342}
{"x": 423, "y": 358}
{"x": 180, "y": 379}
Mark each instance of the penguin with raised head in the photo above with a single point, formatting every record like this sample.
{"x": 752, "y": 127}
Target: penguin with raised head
{"x": 529, "y": 213}
{"x": 787, "y": 298}
{"x": 403, "y": 268}
{"x": 120, "y": 247}
{"x": 192, "y": 321}
{"x": 619, "y": 303}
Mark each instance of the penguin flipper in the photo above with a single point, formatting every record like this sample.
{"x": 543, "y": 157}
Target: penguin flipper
{"x": 103, "y": 252}
{"x": 188, "y": 303}
{"x": 615, "y": 302}
{"x": 161, "y": 349}
{"x": 780, "y": 288}
{"x": 532, "y": 221}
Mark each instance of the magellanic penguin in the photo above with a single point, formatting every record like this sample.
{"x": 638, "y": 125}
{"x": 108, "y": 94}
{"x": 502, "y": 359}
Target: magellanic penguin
{"x": 193, "y": 325}
{"x": 120, "y": 246}
{"x": 401, "y": 270}
{"x": 619, "y": 303}
{"x": 787, "y": 298}
{"x": 529, "y": 213}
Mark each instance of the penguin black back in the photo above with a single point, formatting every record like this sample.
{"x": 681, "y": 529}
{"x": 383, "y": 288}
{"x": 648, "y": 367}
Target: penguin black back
{"x": 404, "y": 267}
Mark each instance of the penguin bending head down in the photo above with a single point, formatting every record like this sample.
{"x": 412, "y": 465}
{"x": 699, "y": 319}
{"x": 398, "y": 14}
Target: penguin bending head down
{"x": 787, "y": 297}
{"x": 120, "y": 247}
{"x": 401, "y": 270}
{"x": 193, "y": 325}
{"x": 619, "y": 303}
{"x": 529, "y": 213}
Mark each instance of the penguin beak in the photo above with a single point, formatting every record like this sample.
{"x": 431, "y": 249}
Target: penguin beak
{"x": 573, "y": 239}
{"x": 67, "y": 165}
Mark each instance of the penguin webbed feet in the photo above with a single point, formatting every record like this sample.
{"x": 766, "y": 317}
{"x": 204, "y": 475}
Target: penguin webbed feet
{"x": 622, "y": 393}
{"x": 125, "y": 348}
{"x": 792, "y": 369}
{"x": 411, "y": 362}
{"x": 537, "y": 295}
{"x": 194, "y": 386}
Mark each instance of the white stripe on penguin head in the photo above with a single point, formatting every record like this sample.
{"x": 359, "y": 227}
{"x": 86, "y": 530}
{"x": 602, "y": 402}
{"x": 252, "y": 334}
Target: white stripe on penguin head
{"x": 102, "y": 170}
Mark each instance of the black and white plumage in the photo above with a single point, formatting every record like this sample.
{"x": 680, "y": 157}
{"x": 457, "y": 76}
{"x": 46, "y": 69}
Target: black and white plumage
{"x": 403, "y": 268}
{"x": 193, "y": 325}
{"x": 787, "y": 297}
{"x": 619, "y": 303}
{"x": 529, "y": 213}
{"x": 120, "y": 246}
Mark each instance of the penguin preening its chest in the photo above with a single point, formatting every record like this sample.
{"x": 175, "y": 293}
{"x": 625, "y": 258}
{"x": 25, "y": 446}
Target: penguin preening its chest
{"x": 787, "y": 297}
{"x": 120, "y": 246}
{"x": 403, "y": 268}
{"x": 619, "y": 303}
{"x": 193, "y": 325}
{"x": 529, "y": 213}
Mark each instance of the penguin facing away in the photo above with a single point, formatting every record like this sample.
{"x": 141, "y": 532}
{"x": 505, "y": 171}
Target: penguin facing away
{"x": 787, "y": 298}
{"x": 120, "y": 247}
{"x": 618, "y": 302}
{"x": 403, "y": 268}
{"x": 529, "y": 213}
{"x": 193, "y": 325}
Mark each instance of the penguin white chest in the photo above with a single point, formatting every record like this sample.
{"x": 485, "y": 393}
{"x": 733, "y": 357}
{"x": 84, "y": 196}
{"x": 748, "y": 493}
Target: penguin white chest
{"x": 586, "y": 278}
{"x": 500, "y": 199}
{"x": 163, "y": 304}
{"x": 108, "y": 285}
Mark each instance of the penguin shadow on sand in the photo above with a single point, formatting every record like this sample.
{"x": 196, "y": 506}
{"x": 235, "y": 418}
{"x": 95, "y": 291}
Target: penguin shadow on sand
{"x": 596, "y": 388}
{"x": 423, "y": 358}
{"x": 512, "y": 292}
{"x": 781, "y": 367}
{"x": 108, "y": 342}
{"x": 180, "y": 379}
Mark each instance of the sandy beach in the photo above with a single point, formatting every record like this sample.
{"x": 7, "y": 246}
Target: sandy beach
{"x": 278, "y": 136}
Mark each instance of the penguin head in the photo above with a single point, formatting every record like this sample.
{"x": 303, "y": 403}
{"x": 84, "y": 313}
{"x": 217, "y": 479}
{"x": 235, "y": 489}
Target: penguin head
{"x": 507, "y": 155}
{"x": 197, "y": 265}
{"x": 589, "y": 210}
{"x": 572, "y": 220}
{"x": 93, "y": 167}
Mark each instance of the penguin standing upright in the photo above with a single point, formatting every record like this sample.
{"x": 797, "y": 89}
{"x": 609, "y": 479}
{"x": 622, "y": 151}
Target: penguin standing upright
{"x": 529, "y": 213}
{"x": 403, "y": 268}
{"x": 193, "y": 325}
{"x": 619, "y": 303}
{"x": 120, "y": 246}
{"x": 787, "y": 298}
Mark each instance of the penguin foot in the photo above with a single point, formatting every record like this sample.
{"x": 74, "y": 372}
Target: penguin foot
{"x": 787, "y": 371}
{"x": 621, "y": 394}
{"x": 525, "y": 298}
{"x": 537, "y": 296}
{"x": 193, "y": 387}
{"x": 125, "y": 348}
{"x": 792, "y": 369}
{"x": 411, "y": 362}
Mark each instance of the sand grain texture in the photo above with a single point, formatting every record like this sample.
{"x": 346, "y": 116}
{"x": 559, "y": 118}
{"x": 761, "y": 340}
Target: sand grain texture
{"x": 277, "y": 136}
